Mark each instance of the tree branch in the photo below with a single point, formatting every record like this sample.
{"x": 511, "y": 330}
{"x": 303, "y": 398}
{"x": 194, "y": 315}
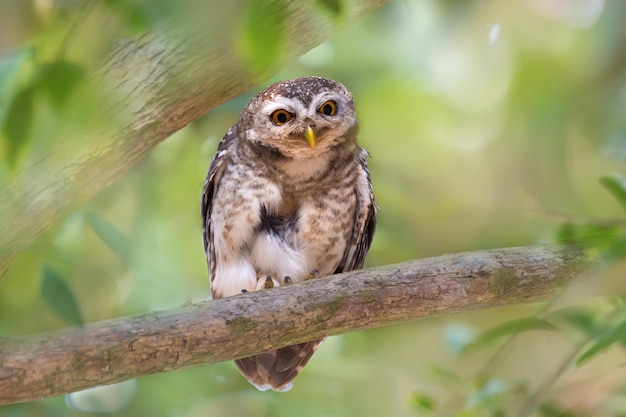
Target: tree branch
{"x": 71, "y": 359}
{"x": 147, "y": 89}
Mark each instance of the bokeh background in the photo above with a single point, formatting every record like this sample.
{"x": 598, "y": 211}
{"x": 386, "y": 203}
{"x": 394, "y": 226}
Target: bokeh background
{"x": 489, "y": 125}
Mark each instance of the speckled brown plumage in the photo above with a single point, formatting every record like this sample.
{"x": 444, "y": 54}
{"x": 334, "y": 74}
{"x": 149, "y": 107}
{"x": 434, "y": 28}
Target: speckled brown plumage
{"x": 288, "y": 197}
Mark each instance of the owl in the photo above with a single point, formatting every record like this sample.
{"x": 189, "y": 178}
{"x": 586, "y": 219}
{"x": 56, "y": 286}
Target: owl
{"x": 287, "y": 198}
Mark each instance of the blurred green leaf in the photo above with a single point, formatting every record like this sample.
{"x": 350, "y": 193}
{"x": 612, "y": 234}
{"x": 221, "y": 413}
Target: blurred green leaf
{"x": 609, "y": 240}
{"x": 15, "y": 74}
{"x": 613, "y": 335}
{"x": 579, "y": 317}
{"x": 509, "y": 328}
{"x": 110, "y": 235}
{"x": 58, "y": 295}
{"x": 16, "y": 101}
{"x": 566, "y": 233}
{"x": 443, "y": 375}
{"x": 59, "y": 79}
{"x": 334, "y": 7}
{"x": 18, "y": 123}
{"x": 422, "y": 401}
{"x": 616, "y": 185}
{"x": 550, "y": 409}
{"x": 263, "y": 33}
{"x": 488, "y": 392}
{"x": 131, "y": 12}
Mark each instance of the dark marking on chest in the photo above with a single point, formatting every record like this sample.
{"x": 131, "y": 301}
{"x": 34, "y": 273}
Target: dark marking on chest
{"x": 282, "y": 220}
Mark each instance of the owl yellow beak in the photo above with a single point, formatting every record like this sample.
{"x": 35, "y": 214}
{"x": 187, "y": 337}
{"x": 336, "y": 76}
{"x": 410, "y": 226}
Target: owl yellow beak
{"x": 309, "y": 134}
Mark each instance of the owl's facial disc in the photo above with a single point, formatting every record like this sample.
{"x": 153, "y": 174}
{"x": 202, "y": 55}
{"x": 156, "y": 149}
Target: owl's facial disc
{"x": 303, "y": 128}
{"x": 281, "y": 117}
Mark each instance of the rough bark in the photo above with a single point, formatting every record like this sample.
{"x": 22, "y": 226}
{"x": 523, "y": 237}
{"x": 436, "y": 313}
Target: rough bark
{"x": 147, "y": 89}
{"x": 67, "y": 360}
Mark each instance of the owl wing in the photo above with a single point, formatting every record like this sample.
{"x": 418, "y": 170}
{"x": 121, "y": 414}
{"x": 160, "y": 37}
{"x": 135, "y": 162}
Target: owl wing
{"x": 365, "y": 220}
{"x": 221, "y": 159}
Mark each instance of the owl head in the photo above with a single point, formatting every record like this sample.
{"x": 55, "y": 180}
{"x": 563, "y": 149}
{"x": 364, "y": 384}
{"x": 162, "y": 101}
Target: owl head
{"x": 300, "y": 118}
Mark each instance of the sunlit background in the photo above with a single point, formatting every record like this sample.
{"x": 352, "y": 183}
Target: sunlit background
{"x": 489, "y": 125}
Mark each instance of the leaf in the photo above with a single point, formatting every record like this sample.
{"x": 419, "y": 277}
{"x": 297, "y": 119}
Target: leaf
{"x": 18, "y": 123}
{"x": 423, "y": 402}
{"x": 142, "y": 15}
{"x": 615, "y": 334}
{"x": 443, "y": 375}
{"x": 58, "y": 295}
{"x": 579, "y": 317}
{"x": 262, "y": 37}
{"x": 16, "y": 75}
{"x": 334, "y": 7}
{"x": 59, "y": 79}
{"x": 110, "y": 235}
{"x": 488, "y": 392}
{"x": 509, "y": 328}
{"x": 16, "y": 71}
{"x": 566, "y": 233}
{"x": 616, "y": 185}
{"x": 608, "y": 240}
{"x": 551, "y": 409}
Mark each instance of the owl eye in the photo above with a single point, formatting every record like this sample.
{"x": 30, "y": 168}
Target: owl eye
{"x": 280, "y": 117}
{"x": 329, "y": 108}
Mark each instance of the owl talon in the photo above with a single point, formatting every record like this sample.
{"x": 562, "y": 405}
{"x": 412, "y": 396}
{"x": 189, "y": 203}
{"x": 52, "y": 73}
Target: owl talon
{"x": 313, "y": 274}
{"x": 244, "y": 291}
{"x": 287, "y": 281}
{"x": 266, "y": 282}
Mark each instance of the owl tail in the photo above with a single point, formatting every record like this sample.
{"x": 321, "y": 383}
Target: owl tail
{"x": 276, "y": 369}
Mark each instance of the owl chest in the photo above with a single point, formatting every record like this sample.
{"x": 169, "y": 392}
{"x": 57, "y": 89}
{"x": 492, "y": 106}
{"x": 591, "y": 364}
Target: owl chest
{"x": 281, "y": 218}
{"x": 301, "y": 234}
{"x": 304, "y": 212}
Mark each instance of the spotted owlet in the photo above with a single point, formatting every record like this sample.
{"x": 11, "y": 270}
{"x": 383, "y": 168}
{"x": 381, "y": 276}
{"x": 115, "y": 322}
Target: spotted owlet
{"x": 287, "y": 198}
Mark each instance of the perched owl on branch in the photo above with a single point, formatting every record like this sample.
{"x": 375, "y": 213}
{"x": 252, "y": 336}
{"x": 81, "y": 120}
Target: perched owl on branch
{"x": 287, "y": 198}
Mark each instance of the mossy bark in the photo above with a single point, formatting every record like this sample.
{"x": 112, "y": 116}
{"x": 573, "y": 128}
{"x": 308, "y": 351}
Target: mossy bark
{"x": 59, "y": 362}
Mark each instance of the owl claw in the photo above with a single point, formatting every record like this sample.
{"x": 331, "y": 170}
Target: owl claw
{"x": 244, "y": 291}
{"x": 287, "y": 281}
{"x": 313, "y": 274}
{"x": 266, "y": 282}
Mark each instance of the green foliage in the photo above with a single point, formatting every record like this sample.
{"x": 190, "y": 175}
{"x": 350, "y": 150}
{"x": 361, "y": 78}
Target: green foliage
{"x": 611, "y": 335}
{"x": 59, "y": 79}
{"x": 553, "y": 410}
{"x": 59, "y": 297}
{"x": 580, "y": 318}
{"x": 16, "y": 101}
{"x": 616, "y": 185}
{"x": 510, "y": 328}
{"x": 423, "y": 402}
{"x": 607, "y": 236}
{"x": 18, "y": 123}
{"x": 28, "y": 88}
{"x": 141, "y": 15}
{"x": 335, "y": 8}
{"x": 110, "y": 235}
{"x": 488, "y": 126}
{"x": 262, "y": 35}
{"x": 596, "y": 331}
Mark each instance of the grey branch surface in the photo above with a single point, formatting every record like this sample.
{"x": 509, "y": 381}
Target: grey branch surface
{"x": 148, "y": 89}
{"x": 71, "y": 359}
